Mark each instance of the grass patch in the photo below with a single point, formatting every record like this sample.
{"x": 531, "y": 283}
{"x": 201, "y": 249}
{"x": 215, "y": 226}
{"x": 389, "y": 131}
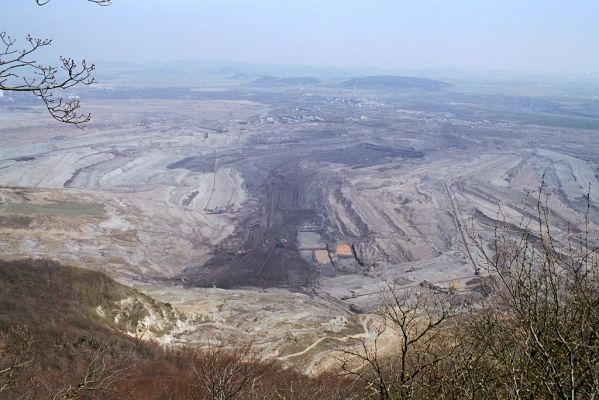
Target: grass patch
{"x": 66, "y": 209}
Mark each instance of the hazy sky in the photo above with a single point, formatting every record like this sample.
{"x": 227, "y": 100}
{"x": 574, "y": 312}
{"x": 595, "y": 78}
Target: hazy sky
{"x": 521, "y": 35}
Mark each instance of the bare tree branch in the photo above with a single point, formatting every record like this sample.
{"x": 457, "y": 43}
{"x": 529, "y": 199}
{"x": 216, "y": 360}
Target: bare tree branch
{"x": 21, "y": 72}
{"x": 98, "y": 2}
{"x": 418, "y": 318}
{"x": 15, "y": 356}
{"x": 228, "y": 374}
{"x": 101, "y": 374}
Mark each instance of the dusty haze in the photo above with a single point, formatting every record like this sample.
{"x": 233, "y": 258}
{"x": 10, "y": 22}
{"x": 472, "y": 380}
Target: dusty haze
{"x": 531, "y": 36}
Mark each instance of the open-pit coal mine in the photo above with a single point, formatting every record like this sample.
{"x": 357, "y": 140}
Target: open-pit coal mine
{"x": 290, "y": 188}
{"x": 283, "y": 214}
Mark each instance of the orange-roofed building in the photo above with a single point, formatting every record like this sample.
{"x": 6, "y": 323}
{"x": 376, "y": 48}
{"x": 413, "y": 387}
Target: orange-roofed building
{"x": 322, "y": 257}
{"x": 343, "y": 250}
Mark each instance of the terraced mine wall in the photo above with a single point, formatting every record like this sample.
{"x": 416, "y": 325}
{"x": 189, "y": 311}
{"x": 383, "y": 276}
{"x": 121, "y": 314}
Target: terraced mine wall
{"x": 289, "y": 195}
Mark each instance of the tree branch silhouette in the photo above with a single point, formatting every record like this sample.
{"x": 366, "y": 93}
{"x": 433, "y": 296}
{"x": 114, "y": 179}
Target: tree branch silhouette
{"x": 21, "y": 72}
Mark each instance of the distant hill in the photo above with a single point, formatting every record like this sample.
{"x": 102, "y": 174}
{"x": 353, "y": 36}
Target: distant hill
{"x": 293, "y": 81}
{"x": 393, "y": 82}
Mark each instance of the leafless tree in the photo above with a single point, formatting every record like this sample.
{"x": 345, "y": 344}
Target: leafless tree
{"x": 540, "y": 325}
{"x": 364, "y": 362}
{"x": 324, "y": 386}
{"x": 15, "y": 358}
{"x": 21, "y": 72}
{"x": 418, "y": 318}
{"x": 101, "y": 373}
{"x": 228, "y": 374}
